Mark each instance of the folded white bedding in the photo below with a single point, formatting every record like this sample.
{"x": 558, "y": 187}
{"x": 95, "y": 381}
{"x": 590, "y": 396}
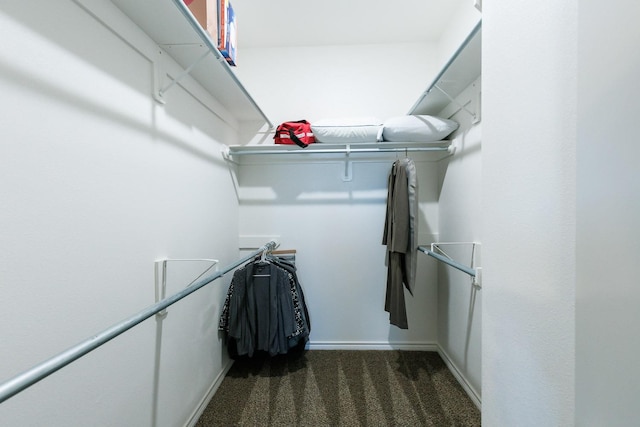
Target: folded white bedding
{"x": 411, "y": 128}
{"x": 349, "y": 130}
{"x": 417, "y": 128}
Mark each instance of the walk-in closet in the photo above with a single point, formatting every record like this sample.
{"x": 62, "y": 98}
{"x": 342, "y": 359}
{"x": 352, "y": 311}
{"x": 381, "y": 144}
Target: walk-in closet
{"x": 164, "y": 263}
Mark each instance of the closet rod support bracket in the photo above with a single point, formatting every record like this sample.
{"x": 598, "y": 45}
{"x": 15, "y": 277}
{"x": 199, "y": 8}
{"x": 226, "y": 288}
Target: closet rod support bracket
{"x": 475, "y": 117}
{"x": 476, "y": 280}
{"x": 158, "y": 76}
{"x": 347, "y": 176}
{"x": 160, "y": 274}
{"x": 451, "y": 149}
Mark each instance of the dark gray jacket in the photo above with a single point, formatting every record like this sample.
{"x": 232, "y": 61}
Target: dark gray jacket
{"x": 261, "y": 310}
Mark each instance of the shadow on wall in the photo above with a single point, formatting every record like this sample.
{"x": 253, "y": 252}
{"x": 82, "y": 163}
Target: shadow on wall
{"x": 320, "y": 182}
{"x": 311, "y": 183}
{"x": 75, "y": 31}
{"x": 461, "y": 287}
{"x": 93, "y": 47}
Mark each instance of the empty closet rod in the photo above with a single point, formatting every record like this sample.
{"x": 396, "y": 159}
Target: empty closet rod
{"x": 20, "y": 382}
{"x": 470, "y": 271}
{"x": 347, "y": 150}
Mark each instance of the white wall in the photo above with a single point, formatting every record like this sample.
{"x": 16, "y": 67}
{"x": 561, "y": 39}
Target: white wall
{"x": 560, "y": 207}
{"x": 97, "y": 182}
{"x": 608, "y": 208}
{"x": 320, "y": 82}
{"x": 529, "y": 212}
{"x": 460, "y": 215}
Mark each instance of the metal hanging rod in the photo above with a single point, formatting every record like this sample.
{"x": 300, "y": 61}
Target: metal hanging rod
{"x": 229, "y": 151}
{"x": 475, "y": 273}
{"x": 452, "y": 263}
{"x": 26, "y": 379}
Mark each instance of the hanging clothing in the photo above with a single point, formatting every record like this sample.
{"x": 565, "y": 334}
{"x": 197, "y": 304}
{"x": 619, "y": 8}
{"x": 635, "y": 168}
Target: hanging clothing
{"x": 265, "y": 309}
{"x": 400, "y": 235}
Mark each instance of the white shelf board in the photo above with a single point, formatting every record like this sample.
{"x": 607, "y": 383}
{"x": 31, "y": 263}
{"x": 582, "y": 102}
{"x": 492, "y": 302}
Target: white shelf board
{"x": 462, "y": 69}
{"x": 170, "y": 24}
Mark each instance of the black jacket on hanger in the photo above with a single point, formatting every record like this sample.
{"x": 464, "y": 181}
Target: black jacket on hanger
{"x": 265, "y": 310}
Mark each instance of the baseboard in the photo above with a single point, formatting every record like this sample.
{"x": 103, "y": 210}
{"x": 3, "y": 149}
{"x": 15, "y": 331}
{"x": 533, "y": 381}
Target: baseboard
{"x": 197, "y": 413}
{"x": 371, "y": 345}
{"x": 468, "y": 388}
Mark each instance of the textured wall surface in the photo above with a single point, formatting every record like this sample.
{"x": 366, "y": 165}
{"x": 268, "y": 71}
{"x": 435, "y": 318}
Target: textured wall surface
{"x": 528, "y": 204}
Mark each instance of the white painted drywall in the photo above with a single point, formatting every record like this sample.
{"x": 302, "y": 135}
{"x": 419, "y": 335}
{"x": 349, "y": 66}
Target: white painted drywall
{"x": 321, "y": 82}
{"x": 608, "y": 208}
{"x": 460, "y": 219}
{"x": 529, "y": 212}
{"x": 96, "y": 182}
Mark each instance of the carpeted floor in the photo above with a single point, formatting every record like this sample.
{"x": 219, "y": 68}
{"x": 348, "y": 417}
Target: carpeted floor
{"x": 341, "y": 388}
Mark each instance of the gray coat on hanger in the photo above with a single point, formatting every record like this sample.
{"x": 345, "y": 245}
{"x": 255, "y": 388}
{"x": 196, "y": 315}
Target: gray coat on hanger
{"x": 400, "y": 235}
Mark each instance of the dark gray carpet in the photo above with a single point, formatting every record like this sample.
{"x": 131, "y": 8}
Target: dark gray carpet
{"x": 341, "y": 388}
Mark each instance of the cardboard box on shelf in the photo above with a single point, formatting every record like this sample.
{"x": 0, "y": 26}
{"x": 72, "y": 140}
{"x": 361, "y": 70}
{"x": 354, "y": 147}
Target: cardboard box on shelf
{"x": 222, "y": 24}
{"x": 206, "y": 13}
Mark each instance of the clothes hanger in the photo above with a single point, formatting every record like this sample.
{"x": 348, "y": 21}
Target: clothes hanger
{"x": 263, "y": 260}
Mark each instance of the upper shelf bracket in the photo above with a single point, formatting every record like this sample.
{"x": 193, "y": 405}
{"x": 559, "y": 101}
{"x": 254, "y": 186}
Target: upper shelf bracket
{"x": 172, "y": 26}
{"x": 160, "y": 273}
{"x": 460, "y": 71}
{"x": 475, "y": 116}
{"x": 158, "y": 74}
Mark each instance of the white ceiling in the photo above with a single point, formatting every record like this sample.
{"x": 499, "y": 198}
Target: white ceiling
{"x": 276, "y": 23}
